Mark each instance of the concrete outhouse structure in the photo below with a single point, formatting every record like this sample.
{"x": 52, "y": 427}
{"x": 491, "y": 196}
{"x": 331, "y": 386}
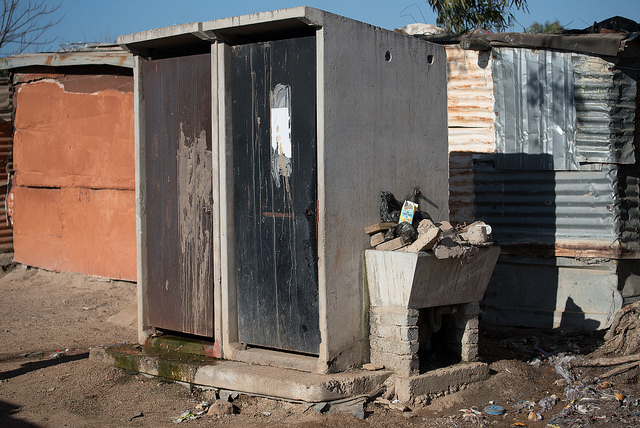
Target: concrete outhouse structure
{"x": 262, "y": 144}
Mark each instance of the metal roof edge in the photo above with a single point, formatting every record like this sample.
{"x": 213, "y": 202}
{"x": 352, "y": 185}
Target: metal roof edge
{"x": 67, "y": 59}
{"x": 603, "y": 44}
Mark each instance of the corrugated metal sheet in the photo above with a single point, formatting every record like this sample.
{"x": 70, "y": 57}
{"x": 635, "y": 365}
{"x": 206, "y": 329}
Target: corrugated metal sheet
{"x": 461, "y": 196}
{"x": 6, "y": 151}
{"x": 553, "y": 292}
{"x": 116, "y": 58}
{"x": 605, "y": 102}
{"x": 470, "y": 100}
{"x": 579, "y": 213}
{"x": 535, "y": 112}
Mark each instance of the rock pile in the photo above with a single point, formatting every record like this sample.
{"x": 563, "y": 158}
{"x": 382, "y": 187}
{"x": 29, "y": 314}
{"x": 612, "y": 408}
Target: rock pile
{"x": 444, "y": 240}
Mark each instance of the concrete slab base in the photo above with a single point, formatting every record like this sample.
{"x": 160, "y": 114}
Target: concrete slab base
{"x": 421, "y": 389}
{"x": 242, "y": 377}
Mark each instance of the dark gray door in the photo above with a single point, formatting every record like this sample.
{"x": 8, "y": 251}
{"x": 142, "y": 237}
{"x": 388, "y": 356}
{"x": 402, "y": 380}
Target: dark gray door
{"x": 274, "y": 172}
{"x": 179, "y": 241}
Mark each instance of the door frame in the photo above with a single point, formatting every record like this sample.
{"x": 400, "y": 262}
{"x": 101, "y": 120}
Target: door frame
{"x": 224, "y": 261}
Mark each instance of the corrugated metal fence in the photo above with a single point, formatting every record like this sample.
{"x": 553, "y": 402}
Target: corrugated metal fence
{"x": 6, "y": 149}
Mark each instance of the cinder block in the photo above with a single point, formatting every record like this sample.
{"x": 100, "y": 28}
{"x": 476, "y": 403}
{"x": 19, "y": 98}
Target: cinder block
{"x": 439, "y": 381}
{"x": 401, "y": 365}
{"x": 469, "y": 353}
{"x": 391, "y": 346}
{"x": 409, "y": 333}
{"x": 384, "y": 330}
{"x": 470, "y": 337}
{"x": 466, "y": 322}
{"x": 393, "y": 316}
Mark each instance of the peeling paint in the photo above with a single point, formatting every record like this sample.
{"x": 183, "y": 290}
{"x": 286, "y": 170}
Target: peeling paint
{"x": 280, "y": 132}
{"x": 194, "y": 184}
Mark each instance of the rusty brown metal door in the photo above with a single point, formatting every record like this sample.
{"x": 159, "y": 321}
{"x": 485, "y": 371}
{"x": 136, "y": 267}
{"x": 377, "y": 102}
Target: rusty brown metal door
{"x": 179, "y": 228}
{"x": 274, "y": 172}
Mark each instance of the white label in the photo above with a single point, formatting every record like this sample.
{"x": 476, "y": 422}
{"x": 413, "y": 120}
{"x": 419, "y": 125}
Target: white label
{"x": 281, "y": 131}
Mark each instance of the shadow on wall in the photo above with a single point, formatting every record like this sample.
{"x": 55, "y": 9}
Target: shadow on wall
{"x": 518, "y": 201}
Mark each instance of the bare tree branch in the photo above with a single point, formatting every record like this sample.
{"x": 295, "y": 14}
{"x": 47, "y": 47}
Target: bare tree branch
{"x": 24, "y": 22}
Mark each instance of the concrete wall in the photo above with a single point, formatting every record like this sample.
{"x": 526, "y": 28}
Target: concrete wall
{"x": 382, "y": 125}
{"x": 74, "y": 180}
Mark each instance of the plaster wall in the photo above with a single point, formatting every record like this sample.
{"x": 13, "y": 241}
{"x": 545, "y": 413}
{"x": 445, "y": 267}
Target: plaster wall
{"x": 74, "y": 173}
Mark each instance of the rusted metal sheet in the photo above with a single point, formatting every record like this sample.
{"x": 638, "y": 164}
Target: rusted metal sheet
{"x": 470, "y": 100}
{"x": 604, "y": 44}
{"x": 605, "y": 102}
{"x": 179, "y": 196}
{"x": 6, "y": 163}
{"x": 117, "y": 58}
{"x": 561, "y": 213}
{"x": 461, "y": 196}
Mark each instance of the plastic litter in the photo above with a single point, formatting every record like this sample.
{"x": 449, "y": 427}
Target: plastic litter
{"x": 407, "y": 232}
{"x": 184, "y": 417}
{"x": 494, "y": 410}
{"x": 390, "y": 207}
{"x": 524, "y": 406}
{"x": 59, "y": 354}
{"x": 546, "y": 404}
{"x": 408, "y": 210}
{"x": 189, "y": 415}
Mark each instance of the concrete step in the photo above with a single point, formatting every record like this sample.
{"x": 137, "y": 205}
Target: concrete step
{"x": 242, "y": 377}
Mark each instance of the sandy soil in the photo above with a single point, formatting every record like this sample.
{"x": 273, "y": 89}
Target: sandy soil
{"x": 49, "y": 321}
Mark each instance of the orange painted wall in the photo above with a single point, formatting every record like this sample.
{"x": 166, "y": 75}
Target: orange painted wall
{"x": 75, "y": 174}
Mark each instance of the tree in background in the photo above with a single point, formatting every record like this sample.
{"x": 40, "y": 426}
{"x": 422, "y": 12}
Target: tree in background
{"x": 548, "y": 27}
{"x": 24, "y": 22}
{"x": 462, "y": 16}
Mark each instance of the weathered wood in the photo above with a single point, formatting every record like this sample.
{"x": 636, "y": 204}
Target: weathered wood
{"x": 620, "y": 369}
{"x": 378, "y": 227}
{"x": 392, "y": 245}
{"x": 602, "y": 362}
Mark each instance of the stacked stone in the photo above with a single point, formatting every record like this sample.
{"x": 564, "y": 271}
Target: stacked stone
{"x": 466, "y": 333}
{"x": 394, "y": 339}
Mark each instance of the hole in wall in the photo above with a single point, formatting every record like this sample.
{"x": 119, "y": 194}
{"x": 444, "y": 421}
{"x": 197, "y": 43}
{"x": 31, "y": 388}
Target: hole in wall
{"x": 429, "y": 59}
{"x": 387, "y": 56}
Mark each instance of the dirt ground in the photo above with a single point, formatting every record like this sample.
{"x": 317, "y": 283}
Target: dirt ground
{"x": 49, "y": 321}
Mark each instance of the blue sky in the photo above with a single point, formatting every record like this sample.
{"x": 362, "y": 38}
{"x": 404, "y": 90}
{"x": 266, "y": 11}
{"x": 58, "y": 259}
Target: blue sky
{"x": 103, "y": 21}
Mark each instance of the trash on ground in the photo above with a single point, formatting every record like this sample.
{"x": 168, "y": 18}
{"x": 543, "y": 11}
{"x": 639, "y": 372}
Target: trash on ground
{"x": 185, "y": 416}
{"x": 494, "y": 410}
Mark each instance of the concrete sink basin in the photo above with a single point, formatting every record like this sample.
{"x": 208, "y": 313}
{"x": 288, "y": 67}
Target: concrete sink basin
{"x": 420, "y": 280}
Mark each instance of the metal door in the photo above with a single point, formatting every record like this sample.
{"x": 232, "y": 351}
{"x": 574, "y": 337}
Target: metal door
{"x": 179, "y": 241}
{"x": 274, "y": 172}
